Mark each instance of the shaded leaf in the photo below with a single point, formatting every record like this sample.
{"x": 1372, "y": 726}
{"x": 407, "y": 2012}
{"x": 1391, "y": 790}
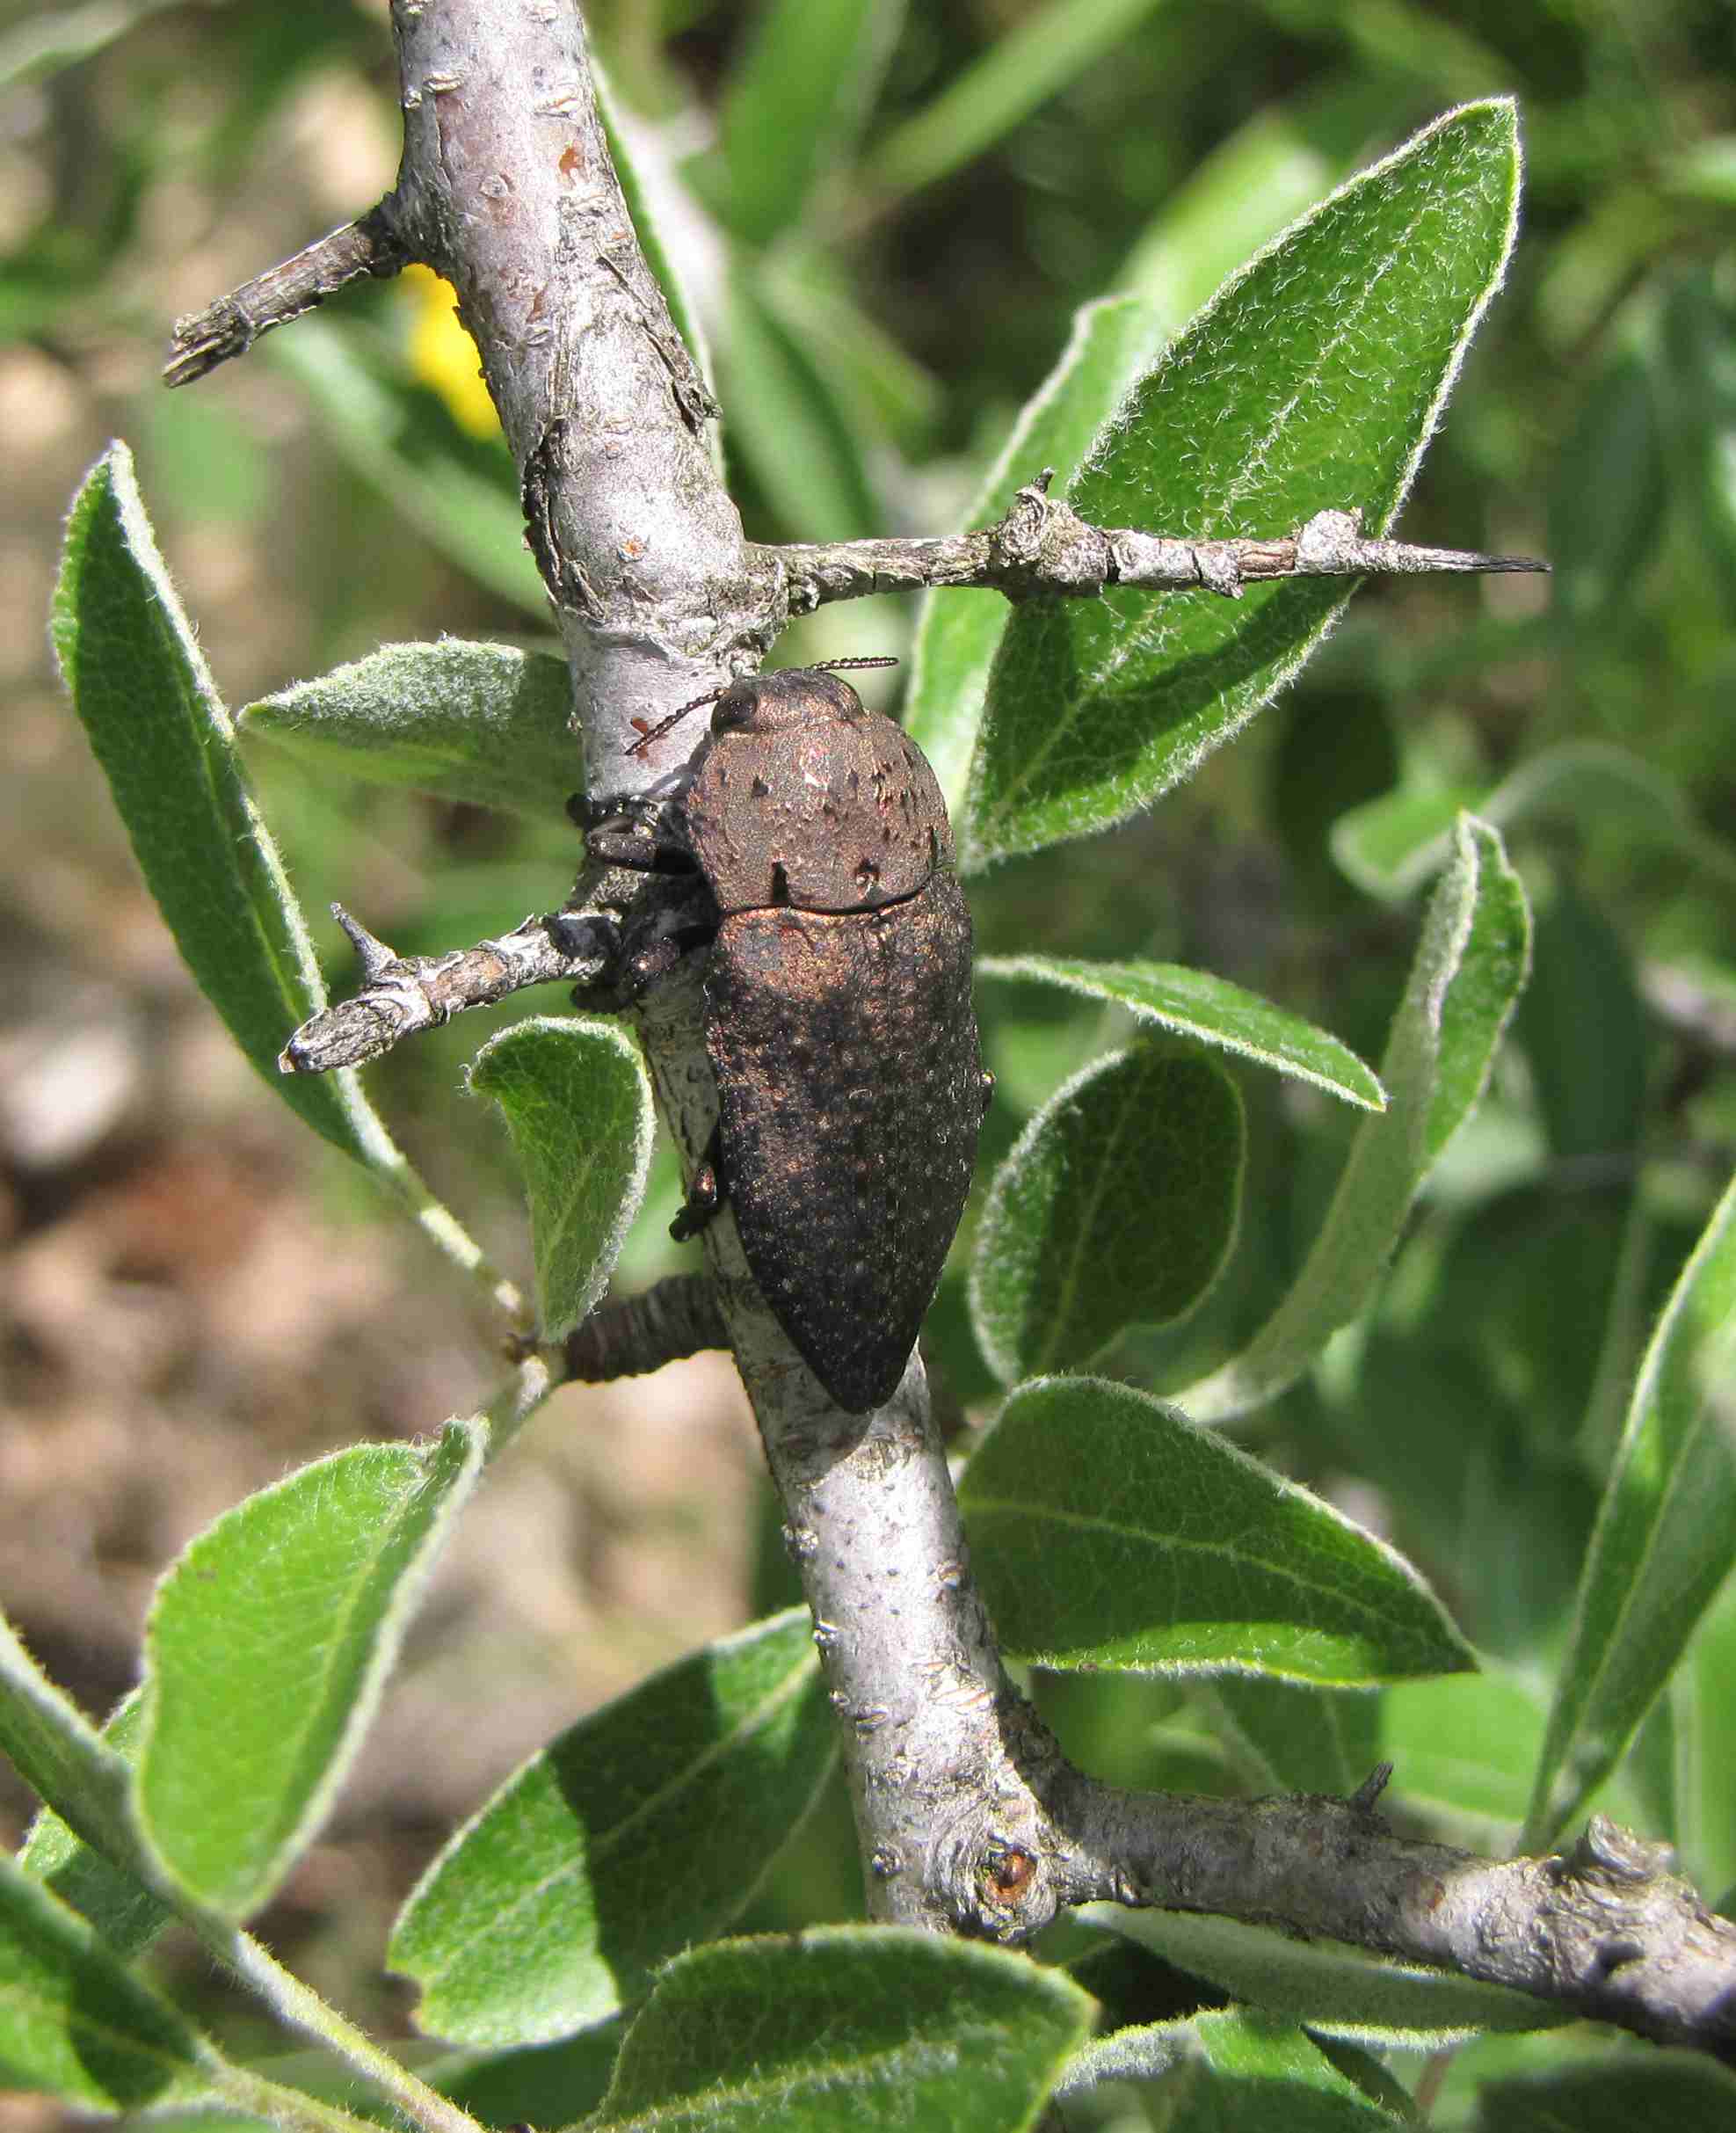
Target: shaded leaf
{"x": 74, "y": 2023}
{"x": 1470, "y": 967}
{"x": 1344, "y": 1991}
{"x": 139, "y": 681}
{"x": 1238, "y": 2070}
{"x": 267, "y": 1647}
{"x": 845, "y": 2027}
{"x": 460, "y": 496}
{"x": 1463, "y": 1750}
{"x": 1117, "y": 1207}
{"x": 787, "y": 418}
{"x": 107, "y": 1891}
{"x": 645, "y": 1827}
{"x": 1313, "y": 379}
{"x": 1666, "y": 1533}
{"x": 794, "y": 105}
{"x": 484, "y": 723}
{"x": 1195, "y": 1004}
{"x": 59, "y": 1754}
{"x": 1107, "y": 1531}
{"x": 1298, "y": 1739}
{"x": 577, "y": 1106}
{"x": 1392, "y": 846}
{"x": 1044, "y": 50}
{"x": 1662, "y": 2093}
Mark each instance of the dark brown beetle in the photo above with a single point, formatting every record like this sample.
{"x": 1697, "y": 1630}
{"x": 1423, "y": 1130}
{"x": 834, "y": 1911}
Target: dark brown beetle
{"x": 837, "y": 1015}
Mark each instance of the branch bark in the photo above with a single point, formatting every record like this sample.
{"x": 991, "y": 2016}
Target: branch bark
{"x": 968, "y": 1817}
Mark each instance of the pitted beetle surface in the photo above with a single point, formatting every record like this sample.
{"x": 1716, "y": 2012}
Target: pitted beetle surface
{"x": 838, "y": 1016}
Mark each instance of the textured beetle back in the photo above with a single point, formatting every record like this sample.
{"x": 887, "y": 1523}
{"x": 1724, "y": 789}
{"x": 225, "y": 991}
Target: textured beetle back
{"x": 843, "y": 815}
{"x": 851, "y": 1086}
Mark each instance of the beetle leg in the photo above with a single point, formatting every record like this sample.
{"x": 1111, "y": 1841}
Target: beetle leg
{"x": 705, "y": 1194}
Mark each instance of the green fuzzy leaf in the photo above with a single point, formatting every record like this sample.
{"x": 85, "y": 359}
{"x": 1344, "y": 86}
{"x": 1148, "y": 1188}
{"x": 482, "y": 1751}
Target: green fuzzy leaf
{"x": 484, "y": 723}
{"x": 1108, "y": 1532}
{"x": 845, "y": 2029}
{"x": 1344, "y": 1991}
{"x": 74, "y": 2023}
{"x": 577, "y": 1105}
{"x": 1662, "y": 2093}
{"x": 1470, "y": 968}
{"x": 267, "y": 1647}
{"x": 1240, "y": 2070}
{"x": 106, "y": 1890}
{"x": 1117, "y": 1207}
{"x": 1195, "y": 1004}
{"x": 1313, "y": 379}
{"x": 128, "y": 655}
{"x": 957, "y": 632}
{"x": 796, "y": 104}
{"x": 642, "y": 1829}
{"x": 1666, "y": 1533}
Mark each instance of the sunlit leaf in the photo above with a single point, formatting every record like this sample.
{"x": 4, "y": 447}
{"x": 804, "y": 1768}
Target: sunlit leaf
{"x": 1108, "y": 1532}
{"x": 267, "y": 1648}
{"x": 577, "y": 1105}
{"x": 1312, "y": 381}
{"x": 644, "y": 1828}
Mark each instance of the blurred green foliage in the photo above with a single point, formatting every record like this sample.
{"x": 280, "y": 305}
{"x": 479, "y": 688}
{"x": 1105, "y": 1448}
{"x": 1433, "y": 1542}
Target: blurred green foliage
{"x": 888, "y": 218}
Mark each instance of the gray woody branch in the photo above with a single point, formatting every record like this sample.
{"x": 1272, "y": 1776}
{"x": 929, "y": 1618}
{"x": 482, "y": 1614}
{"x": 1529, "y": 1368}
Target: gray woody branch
{"x": 968, "y": 1817}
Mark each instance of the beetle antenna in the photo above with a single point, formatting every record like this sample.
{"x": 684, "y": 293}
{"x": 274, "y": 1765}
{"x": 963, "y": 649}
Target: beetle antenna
{"x": 837, "y": 666}
{"x": 664, "y": 725}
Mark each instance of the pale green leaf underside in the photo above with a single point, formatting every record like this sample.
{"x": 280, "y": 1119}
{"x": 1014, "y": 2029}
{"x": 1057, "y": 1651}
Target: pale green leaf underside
{"x": 1117, "y": 1207}
{"x": 1108, "y": 1532}
{"x": 1666, "y": 1532}
{"x": 1312, "y": 381}
{"x": 1237, "y": 2067}
{"x": 1343, "y": 1991}
{"x": 485, "y": 724}
{"x": 645, "y": 1827}
{"x": 1193, "y": 1003}
{"x": 856, "y": 2027}
{"x": 266, "y": 1649}
{"x": 74, "y": 2023}
{"x": 157, "y": 724}
{"x": 577, "y": 1106}
{"x": 1464, "y": 983}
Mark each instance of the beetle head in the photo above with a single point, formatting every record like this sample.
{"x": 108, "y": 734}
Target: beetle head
{"x": 771, "y": 703}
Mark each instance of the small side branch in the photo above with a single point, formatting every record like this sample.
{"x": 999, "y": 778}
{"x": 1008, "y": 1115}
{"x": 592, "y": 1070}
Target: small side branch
{"x": 1604, "y": 1929}
{"x": 1042, "y": 546}
{"x": 402, "y": 995}
{"x": 630, "y": 1337}
{"x": 231, "y": 325}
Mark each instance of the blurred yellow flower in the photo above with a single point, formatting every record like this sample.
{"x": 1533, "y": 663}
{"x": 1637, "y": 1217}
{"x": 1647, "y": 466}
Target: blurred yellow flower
{"x": 443, "y": 355}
